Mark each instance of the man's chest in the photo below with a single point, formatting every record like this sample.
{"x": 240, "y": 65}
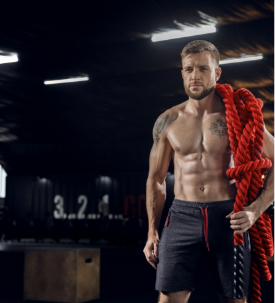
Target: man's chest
{"x": 194, "y": 135}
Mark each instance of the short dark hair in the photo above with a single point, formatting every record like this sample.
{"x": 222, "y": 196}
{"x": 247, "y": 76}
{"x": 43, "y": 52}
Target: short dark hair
{"x": 199, "y": 46}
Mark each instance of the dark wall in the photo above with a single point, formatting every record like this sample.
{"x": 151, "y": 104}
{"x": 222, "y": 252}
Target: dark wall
{"x": 31, "y": 194}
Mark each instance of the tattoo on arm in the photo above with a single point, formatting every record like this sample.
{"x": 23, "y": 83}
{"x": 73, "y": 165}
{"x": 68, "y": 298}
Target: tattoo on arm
{"x": 218, "y": 128}
{"x": 159, "y": 127}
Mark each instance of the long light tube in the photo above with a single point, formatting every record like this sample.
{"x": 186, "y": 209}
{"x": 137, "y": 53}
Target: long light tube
{"x": 78, "y": 79}
{"x": 12, "y": 57}
{"x": 3, "y": 176}
{"x": 243, "y": 58}
{"x": 187, "y": 32}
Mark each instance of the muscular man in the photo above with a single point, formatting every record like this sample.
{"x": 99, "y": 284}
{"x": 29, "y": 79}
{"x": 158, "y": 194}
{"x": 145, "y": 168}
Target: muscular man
{"x": 200, "y": 222}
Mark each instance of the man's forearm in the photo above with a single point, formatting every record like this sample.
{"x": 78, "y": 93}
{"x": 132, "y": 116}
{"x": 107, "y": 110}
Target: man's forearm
{"x": 267, "y": 195}
{"x": 155, "y": 199}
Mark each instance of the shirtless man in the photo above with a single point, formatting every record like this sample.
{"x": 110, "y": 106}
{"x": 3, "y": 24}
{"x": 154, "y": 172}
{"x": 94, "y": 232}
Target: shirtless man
{"x": 194, "y": 135}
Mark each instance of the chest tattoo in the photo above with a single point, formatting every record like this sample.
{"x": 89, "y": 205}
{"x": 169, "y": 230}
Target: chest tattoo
{"x": 218, "y": 128}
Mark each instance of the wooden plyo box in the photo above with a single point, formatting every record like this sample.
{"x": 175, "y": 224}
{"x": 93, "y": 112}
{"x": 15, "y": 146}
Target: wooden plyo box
{"x": 67, "y": 275}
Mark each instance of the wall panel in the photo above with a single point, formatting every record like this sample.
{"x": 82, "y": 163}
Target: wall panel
{"x": 30, "y": 194}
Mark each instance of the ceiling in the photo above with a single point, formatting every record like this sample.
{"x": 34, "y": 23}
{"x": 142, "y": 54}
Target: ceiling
{"x": 105, "y": 124}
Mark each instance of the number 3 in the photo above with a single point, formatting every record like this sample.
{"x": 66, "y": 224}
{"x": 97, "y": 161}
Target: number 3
{"x": 59, "y": 212}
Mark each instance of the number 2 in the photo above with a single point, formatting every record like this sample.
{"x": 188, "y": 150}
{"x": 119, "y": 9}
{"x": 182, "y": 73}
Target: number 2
{"x": 82, "y": 209}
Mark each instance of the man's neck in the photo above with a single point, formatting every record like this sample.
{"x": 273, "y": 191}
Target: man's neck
{"x": 210, "y": 104}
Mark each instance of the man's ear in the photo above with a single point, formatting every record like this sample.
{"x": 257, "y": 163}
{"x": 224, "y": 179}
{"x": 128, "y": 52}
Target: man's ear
{"x": 218, "y": 73}
{"x": 182, "y": 74}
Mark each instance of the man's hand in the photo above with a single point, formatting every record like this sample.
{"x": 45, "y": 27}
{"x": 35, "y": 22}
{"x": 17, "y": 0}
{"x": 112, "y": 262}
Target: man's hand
{"x": 151, "y": 251}
{"x": 244, "y": 219}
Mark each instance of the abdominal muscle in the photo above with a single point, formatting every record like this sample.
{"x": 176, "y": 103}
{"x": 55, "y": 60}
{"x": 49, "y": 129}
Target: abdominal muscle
{"x": 202, "y": 178}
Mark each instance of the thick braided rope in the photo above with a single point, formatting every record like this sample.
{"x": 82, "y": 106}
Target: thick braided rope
{"x": 246, "y": 132}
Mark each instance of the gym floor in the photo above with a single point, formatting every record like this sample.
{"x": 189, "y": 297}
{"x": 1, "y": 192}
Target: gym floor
{"x": 199, "y": 295}
{"x": 125, "y": 278}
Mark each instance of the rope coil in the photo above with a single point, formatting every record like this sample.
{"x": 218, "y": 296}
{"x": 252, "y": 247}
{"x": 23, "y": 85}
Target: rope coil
{"x": 245, "y": 126}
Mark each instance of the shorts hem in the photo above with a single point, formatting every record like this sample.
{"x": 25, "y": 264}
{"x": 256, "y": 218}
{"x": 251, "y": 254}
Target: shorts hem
{"x": 174, "y": 289}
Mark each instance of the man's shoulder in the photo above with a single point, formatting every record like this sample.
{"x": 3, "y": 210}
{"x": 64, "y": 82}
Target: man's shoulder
{"x": 164, "y": 121}
{"x": 169, "y": 116}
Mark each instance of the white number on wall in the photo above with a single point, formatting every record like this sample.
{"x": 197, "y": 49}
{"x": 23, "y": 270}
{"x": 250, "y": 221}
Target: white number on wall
{"x": 82, "y": 199}
{"x": 59, "y": 211}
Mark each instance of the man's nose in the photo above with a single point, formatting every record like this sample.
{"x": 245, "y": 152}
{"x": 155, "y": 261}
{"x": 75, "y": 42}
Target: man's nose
{"x": 195, "y": 75}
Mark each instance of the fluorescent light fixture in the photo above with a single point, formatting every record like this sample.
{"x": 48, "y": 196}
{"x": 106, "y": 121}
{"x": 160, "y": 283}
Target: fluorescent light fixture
{"x": 6, "y": 57}
{"x": 78, "y": 79}
{"x": 187, "y": 32}
{"x": 243, "y": 58}
{"x": 3, "y": 176}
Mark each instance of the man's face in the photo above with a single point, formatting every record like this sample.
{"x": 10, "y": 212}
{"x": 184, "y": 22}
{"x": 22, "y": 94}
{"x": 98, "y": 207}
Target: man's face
{"x": 200, "y": 74}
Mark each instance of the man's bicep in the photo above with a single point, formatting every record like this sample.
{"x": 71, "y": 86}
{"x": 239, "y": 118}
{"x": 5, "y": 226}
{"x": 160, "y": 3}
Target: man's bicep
{"x": 160, "y": 158}
{"x": 160, "y": 155}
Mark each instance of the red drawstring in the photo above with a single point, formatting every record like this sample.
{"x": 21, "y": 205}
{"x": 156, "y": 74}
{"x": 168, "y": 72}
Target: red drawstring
{"x": 205, "y": 225}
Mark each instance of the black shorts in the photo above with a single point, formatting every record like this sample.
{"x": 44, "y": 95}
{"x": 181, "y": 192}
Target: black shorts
{"x": 187, "y": 238}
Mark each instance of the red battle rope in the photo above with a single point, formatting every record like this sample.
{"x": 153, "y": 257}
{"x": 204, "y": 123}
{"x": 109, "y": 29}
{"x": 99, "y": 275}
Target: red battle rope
{"x": 246, "y": 132}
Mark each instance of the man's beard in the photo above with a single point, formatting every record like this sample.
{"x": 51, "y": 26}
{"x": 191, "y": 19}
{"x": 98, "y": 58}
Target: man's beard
{"x": 200, "y": 95}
